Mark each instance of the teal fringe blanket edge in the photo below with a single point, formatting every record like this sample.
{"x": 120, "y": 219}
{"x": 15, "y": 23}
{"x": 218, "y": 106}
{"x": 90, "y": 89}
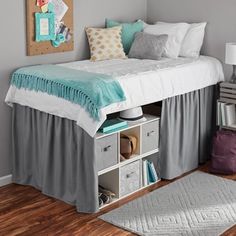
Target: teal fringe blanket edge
{"x": 57, "y": 89}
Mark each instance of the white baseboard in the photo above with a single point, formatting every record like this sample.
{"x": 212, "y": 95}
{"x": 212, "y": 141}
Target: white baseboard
{"x": 5, "y": 180}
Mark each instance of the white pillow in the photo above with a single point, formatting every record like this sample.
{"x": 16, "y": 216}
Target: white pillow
{"x": 176, "y": 33}
{"x": 192, "y": 43}
{"x": 193, "y": 40}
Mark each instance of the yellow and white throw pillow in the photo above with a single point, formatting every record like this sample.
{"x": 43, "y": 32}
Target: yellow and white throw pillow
{"x": 105, "y": 44}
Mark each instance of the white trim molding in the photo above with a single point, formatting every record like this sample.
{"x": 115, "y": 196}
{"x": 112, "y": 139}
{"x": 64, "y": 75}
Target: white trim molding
{"x": 5, "y": 180}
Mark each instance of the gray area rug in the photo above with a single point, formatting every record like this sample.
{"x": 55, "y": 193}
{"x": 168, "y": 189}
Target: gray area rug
{"x": 198, "y": 204}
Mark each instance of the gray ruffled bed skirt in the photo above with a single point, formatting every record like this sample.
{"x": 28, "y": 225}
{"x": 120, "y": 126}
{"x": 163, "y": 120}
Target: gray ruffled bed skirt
{"x": 57, "y": 157}
{"x": 188, "y": 123}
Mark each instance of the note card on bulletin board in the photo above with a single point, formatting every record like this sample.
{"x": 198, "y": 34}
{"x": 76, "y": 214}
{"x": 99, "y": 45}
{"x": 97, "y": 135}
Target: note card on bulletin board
{"x": 49, "y": 26}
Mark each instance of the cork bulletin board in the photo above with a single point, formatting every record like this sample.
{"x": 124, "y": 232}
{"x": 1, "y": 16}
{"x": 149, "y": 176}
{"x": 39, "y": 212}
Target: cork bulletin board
{"x": 46, "y": 47}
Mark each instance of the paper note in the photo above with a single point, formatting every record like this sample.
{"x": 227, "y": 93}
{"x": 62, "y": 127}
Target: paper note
{"x": 40, "y": 3}
{"x": 44, "y": 8}
{"x": 44, "y": 26}
{"x": 60, "y": 9}
{"x": 57, "y": 27}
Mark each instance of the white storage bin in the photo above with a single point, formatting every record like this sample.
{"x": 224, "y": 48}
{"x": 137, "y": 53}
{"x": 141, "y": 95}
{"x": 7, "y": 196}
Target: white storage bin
{"x": 150, "y": 136}
{"x": 130, "y": 178}
{"x": 106, "y": 152}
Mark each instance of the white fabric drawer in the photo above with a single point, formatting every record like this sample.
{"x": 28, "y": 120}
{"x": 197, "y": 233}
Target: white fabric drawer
{"x": 129, "y": 178}
{"x": 150, "y": 136}
{"x": 106, "y": 152}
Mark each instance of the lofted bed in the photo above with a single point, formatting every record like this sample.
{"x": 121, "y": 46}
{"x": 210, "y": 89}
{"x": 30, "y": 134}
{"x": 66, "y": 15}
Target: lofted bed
{"x": 58, "y": 152}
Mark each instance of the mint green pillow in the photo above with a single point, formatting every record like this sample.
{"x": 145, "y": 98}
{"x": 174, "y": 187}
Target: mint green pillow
{"x": 128, "y": 32}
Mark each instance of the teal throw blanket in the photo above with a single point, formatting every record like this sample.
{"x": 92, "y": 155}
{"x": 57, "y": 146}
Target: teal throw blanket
{"x": 92, "y": 91}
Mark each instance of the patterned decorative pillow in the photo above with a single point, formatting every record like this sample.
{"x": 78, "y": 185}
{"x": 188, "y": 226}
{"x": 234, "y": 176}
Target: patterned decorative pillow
{"x": 105, "y": 44}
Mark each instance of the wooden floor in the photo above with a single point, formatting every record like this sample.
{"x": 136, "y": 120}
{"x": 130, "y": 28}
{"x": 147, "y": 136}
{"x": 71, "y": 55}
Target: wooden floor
{"x": 25, "y": 211}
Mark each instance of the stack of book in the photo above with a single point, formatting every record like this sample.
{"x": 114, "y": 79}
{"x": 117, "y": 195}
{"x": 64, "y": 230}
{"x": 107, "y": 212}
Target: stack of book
{"x": 113, "y": 125}
{"x": 226, "y": 114}
{"x": 149, "y": 173}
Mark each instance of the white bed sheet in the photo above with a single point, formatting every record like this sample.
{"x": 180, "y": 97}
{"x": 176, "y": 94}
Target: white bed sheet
{"x": 143, "y": 82}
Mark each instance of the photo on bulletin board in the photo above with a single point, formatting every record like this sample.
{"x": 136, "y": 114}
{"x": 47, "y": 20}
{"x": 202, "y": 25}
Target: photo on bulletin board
{"x": 44, "y": 27}
{"x": 49, "y": 26}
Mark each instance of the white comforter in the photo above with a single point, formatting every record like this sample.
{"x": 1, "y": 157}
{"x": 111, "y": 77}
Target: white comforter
{"x": 143, "y": 81}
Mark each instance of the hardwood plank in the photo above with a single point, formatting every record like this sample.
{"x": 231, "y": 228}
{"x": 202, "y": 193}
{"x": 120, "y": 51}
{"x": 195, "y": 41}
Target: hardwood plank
{"x": 227, "y": 100}
{"x": 25, "y": 211}
{"x": 231, "y": 91}
{"x": 228, "y": 85}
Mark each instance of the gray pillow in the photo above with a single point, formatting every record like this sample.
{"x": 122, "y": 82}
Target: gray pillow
{"x": 148, "y": 46}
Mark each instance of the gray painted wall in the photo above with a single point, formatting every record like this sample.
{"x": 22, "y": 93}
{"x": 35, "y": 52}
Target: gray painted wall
{"x": 220, "y": 15}
{"x": 13, "y": 48}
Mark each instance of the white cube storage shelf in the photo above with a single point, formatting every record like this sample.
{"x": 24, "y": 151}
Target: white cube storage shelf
{"x": 125, "y": 177}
